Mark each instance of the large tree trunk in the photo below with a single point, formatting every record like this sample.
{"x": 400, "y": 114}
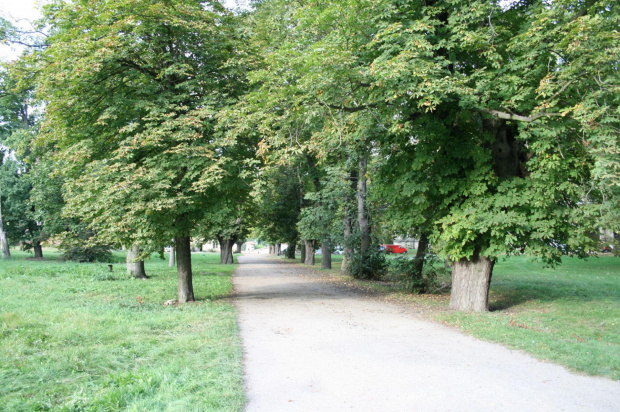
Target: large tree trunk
{"x": 184, "y": 269}
{"x": 326, "y": 259}
{"x": 135, "y": 267}
{"x": 419, "y": 255}
{"x": 226, "y": 250}
{"x": 471, "y": 279}
{"x": 38, "y": 250}
{"x": 309, "y": 252}
{"x": 470, "y": 284}
{"x": 290, "y": 251}
{"x": 171, "y": 258}
{"x": 278, "y": 249}
{"x": 239, "y": 244}
{"x": 272, "y": 249}
{"x": 362, "y": 216}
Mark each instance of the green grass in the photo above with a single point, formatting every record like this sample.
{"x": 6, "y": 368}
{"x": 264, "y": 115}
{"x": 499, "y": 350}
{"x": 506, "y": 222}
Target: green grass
{"x": 75, "y": 337}
{"x": 569, "y": 315}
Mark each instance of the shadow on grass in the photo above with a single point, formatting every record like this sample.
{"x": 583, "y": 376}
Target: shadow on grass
{"x": 507, "y": 294}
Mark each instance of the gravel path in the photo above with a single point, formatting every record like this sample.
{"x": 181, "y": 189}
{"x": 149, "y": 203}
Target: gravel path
{"x": 313, "y": 346}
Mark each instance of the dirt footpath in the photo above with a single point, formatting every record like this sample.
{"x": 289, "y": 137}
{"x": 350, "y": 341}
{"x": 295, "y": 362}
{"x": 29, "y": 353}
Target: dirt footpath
{"x": 313, "y": 346}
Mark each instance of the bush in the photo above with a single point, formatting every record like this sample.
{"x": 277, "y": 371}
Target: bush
{"x": 371, "y": 265}
{"x": 88, "y": 254}
{"x": 425, "y": 282}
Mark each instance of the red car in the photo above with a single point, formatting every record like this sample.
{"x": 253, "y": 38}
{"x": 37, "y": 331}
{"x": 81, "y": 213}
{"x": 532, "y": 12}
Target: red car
{"x": 393, "y": 249}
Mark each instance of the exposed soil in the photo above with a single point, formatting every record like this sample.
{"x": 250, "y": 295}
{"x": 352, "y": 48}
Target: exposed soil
{"x": 312, "y": 344}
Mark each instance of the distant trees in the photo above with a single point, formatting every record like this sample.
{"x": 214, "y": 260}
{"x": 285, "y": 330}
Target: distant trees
{"x": 20, "y": 221}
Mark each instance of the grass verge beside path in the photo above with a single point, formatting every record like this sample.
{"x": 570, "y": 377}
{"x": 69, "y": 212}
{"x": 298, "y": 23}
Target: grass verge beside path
{"x": 569, "y": 315}
{"x": 77, "y": 337}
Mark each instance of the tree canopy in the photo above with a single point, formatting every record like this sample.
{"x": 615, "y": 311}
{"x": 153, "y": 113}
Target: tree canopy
{"x": 487, "y": 128}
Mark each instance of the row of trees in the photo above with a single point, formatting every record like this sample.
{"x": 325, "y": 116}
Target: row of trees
{"x": 482, "y": 128}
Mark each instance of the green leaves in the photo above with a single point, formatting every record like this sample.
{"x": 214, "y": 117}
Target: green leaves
{"x": 134, "y": 91}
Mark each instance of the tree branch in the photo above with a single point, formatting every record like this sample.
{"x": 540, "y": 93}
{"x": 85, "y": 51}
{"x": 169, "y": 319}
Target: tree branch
{"x": 519, "y": 118}
{"x": 351, "y": 109}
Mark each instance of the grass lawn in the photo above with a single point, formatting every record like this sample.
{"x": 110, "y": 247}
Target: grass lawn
{"x": 75, "y": 337}
{"x": 568, "y": 315}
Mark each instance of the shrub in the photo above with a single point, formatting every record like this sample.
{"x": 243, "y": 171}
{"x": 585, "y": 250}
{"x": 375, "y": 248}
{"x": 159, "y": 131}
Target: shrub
{"x": 414, "y": 281}
{"x": 371, "y": 265}
{"x": 88, "y": 254}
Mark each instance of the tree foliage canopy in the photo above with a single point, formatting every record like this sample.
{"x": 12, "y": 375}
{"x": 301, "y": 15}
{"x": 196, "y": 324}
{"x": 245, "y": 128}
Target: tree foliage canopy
{"x": 134, "y": 90}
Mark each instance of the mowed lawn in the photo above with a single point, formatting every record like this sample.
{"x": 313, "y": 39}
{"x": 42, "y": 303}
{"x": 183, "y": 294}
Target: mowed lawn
{"x": 568, "y": 315}
{"x": 75, "y": 337}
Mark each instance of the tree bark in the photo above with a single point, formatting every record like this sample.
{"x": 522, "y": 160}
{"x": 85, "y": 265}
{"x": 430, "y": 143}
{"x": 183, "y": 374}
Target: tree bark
{"x": 347, "y": 250}
{"x": 172, "y": 258}
{"x": 135, "y": 267}
{"x": 226, "y": 250}
{"x": 470, "y": 284}
{"x": 272, "y": 249}
{"x": 38, "y": 250}
{"x": 239, "y": 244}
{"x": 326, "y": 259}
{"x": 419, "y": 254}
{"x": 348, "y": 221}
{"x": 4, "y": 243}
{"x": 290, "y": 251}
{"x": 362, "y": 216}
{"x": 184, "y": 269}
{"x": 278, "y": 249}
{"x": 309, "y": 252}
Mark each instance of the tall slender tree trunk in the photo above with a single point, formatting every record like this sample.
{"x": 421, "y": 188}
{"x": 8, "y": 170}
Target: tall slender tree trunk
{"x": 347, "y": 251}
{"x": 348, "y": 221}
{"x": 362, "y": 215}
{"x": 226, "y": 250}
{"x": 172, "y": 257}
{"x": 471, "y": 280}
{"x": 278, "y": 249}
{"x": 184, "y": 269}
{"x": 326, "y": 258}
{"x": 135, "y": 267}
{"x": 309, "y": 252}
{"x": 272, "y": 249}
{"x": 38, "y": 250}
{"x": 419, "y": 254}
{"x": 4, "y": 243}
{"x": 303, "y": 253}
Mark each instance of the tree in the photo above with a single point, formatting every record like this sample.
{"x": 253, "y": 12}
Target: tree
{"x": 321, "y": 219}
{"x": 279, "y": 199}
{"x": 309, "y": 106}
{"x": 483, "y": 100}
{"x": 133, "y": 90}
{"x": 18, "y": 127}
{"x": 499, "y": 87}
{"x": 135, "y": 264}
